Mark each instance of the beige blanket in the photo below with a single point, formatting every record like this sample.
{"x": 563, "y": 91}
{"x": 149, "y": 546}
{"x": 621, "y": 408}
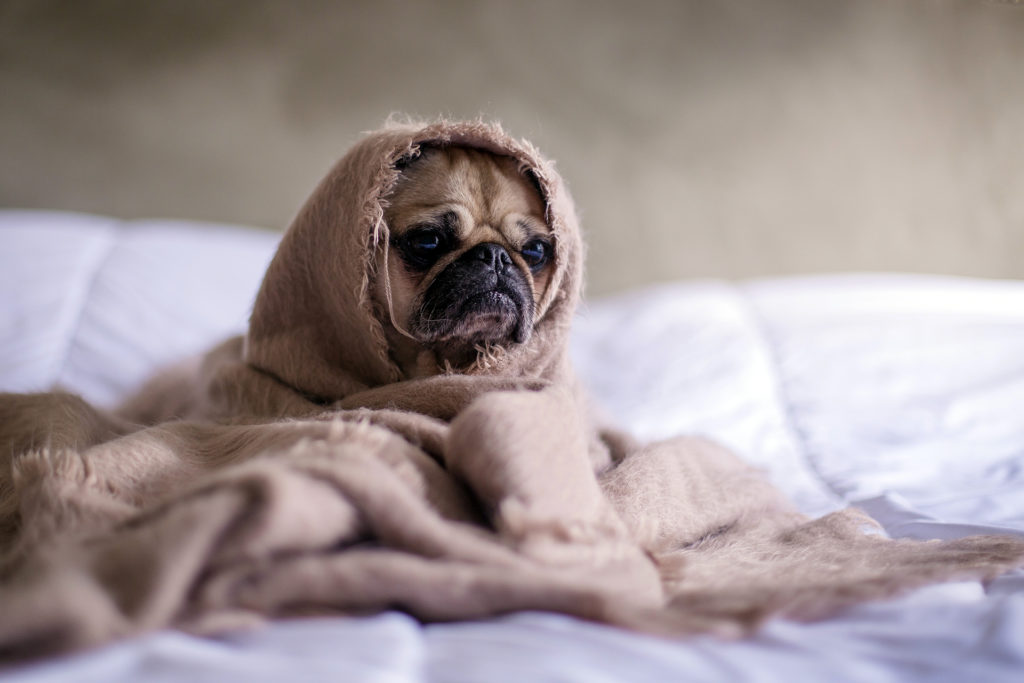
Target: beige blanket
{"x": 295, "y": 471}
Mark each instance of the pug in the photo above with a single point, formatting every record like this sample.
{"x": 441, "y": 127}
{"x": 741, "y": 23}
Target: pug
{"x": 468, "y": 258}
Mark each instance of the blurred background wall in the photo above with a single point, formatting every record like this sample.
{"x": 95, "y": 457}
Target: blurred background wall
{"x": 726, "y": 138}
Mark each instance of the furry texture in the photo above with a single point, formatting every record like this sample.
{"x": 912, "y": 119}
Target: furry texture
{"x": 466, "y": 261}
{"x": 297, "y": 471}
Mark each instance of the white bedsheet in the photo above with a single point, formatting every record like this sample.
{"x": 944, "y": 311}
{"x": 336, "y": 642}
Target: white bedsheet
{"x": 901, "y": 394}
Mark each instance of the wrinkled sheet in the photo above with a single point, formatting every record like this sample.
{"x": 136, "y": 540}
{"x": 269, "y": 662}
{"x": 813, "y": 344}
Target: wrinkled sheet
{"x": 901, "y": 394}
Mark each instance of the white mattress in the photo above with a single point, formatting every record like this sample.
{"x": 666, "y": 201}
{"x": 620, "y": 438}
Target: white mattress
{"x": 901, "y": 394}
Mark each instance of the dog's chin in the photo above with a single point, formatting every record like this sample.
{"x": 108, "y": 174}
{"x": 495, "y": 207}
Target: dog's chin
{"x": 492, "y": 317}
{"x": 487, "y": 317}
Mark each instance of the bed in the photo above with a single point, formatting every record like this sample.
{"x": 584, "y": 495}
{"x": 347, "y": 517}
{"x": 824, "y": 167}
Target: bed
{"x": 900, "y": 394}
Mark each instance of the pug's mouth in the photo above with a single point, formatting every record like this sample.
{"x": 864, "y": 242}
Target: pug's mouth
{"x": 499, "y": 314}
{"x": 487, "y": 314}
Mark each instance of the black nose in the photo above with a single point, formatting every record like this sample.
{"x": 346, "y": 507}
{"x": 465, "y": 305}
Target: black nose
{"x": 494, "y": 255}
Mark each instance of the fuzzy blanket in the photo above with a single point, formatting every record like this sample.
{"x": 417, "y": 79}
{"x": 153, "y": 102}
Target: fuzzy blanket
{"x": 295, "y": 471}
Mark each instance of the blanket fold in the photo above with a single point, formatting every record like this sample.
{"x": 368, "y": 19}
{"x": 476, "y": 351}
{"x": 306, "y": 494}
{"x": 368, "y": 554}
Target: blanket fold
{"x": 296, "y": 471}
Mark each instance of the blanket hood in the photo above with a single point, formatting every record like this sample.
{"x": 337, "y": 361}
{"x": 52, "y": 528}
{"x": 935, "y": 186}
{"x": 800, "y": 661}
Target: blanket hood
{"x": 314, "y": 326}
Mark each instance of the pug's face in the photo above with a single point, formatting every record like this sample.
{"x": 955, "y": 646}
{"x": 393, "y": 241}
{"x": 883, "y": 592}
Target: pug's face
{"x": 470, "y": 254}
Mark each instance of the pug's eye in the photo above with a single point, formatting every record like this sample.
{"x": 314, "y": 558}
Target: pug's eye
{"x": 421, "y": 247}
{"x": 536, "y": 253}
{"x": 425, "y": 242}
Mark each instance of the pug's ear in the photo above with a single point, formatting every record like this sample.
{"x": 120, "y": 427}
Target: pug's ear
{"x": 534, "y": 181}
{"x": 402, "y": 162}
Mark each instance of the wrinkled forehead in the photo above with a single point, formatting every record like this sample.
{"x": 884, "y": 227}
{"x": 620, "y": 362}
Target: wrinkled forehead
{"x": 442, "y": 178}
